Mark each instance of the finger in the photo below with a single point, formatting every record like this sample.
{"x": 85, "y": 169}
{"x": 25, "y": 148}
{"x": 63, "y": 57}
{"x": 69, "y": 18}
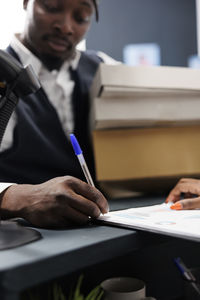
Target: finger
{"x": 98, "y": 198}
{"x": 185, "y": 185}
{"x": 191, "y": 203}
{"x": 85, "y": 206}
{"x": 187, "y": 195}
{"x": 189, "y": 186}
{"x": 174, "y": 195}
{"x": 90, "y": 193}
{"x": 72, "y": 215}
{"x": 79, "y": 203}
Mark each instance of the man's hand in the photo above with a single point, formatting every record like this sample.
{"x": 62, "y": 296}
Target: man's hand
{"x": 58, "y": 202}
{"x": 190, "y": 189}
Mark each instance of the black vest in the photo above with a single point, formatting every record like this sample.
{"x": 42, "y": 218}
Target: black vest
{"x": 41, "y": 150}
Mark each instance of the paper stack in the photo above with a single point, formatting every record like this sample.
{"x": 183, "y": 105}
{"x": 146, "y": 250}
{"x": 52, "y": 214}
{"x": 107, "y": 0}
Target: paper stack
{"x": 146, "y": 125}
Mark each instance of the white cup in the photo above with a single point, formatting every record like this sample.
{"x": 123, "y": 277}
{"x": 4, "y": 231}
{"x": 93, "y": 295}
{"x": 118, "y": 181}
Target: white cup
{"x": 123, "y": 288}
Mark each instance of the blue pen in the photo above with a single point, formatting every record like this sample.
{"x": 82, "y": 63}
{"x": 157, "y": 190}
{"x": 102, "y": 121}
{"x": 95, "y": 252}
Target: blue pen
{"x": 79, "y": 154}
{"x": 187, "y": 274}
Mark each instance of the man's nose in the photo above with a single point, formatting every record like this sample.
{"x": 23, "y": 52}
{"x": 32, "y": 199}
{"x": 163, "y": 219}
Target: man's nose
{"x": 64, "y": 24}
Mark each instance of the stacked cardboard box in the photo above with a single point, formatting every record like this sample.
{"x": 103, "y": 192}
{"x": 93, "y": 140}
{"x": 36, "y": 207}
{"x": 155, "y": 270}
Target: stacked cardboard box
{"x": 146, "y": 125}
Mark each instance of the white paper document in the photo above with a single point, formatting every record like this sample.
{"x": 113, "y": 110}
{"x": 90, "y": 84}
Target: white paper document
{"x": 158, "y": 219}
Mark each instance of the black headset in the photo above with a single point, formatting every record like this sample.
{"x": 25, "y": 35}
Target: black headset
{"x": 96, "y": 9}
{"x": 15, "y": 81}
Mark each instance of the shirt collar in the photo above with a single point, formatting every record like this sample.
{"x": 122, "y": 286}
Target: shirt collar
{"x": 27, "y": 57}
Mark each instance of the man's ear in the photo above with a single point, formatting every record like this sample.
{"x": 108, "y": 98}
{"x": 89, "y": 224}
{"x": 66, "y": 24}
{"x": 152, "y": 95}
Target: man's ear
{"x": 25, "y": 3}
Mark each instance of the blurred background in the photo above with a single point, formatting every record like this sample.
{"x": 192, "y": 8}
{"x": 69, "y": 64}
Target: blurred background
{"x": 170, "y": 24}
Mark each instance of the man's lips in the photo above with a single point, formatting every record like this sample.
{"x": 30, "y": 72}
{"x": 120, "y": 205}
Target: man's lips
{"x": 58, "y": 44}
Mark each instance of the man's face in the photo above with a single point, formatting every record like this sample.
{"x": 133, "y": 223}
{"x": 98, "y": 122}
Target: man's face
{"x": 54, "y": 27}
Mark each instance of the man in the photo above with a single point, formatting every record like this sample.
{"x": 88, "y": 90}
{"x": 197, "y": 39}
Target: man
{"x": 188, "y": 188}
{"x": 36, "y": 146}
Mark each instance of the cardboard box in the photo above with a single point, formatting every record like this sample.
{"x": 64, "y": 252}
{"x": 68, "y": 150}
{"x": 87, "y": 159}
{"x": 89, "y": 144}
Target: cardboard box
{"x": 147, "y": 154}
{"x": 124, "y": 96}
{"x": 123, "y": 80}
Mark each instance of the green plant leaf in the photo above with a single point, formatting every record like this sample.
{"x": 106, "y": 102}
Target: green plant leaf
{"x": 93, "y": 294}
{"x": 78, "y": 287}
{"x": 71, "y": 295}
{"x": 79, "y": 297}
{"x": 61, "y": 294}
{"x": 100, "y": 295}
{"x": 55, "y": 292}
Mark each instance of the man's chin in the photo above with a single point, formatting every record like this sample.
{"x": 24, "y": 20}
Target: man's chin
{"x": 54, "y": 61}
{"x": 64, "y": 55}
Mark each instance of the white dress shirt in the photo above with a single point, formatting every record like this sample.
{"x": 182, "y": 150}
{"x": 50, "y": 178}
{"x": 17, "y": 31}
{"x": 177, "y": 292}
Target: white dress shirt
{"x": 58, "y": 86}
